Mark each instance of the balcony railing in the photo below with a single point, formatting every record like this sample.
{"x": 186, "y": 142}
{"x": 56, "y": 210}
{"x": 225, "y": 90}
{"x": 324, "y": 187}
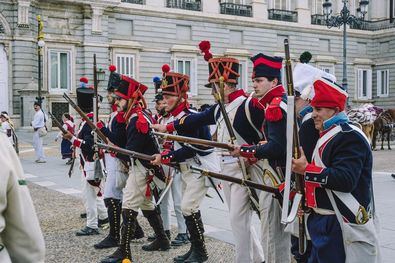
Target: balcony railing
{"x": 194, "y": 5}
{"x": 373, "y": 25}
{"x": 318, "y": 20}
{"x": 283, "y": 15}
{"x": 236, "y": 9}
{"x": 138, "y": 2}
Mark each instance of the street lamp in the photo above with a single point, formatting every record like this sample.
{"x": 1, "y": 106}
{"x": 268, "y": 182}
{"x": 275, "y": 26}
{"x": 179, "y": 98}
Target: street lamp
{"x": 40, "y": 45}
{"x": 344, "y": 18}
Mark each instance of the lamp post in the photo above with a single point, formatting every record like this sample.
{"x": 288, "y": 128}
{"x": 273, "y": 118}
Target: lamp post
{"x": 40, "y": 45}
{"x": 344, "y": 18}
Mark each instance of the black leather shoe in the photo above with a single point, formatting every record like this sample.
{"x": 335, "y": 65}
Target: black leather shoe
{"x": 181, "y": 239}
{"x": 107, "y": 242}
{"x": 87, "y": 231}
{"x": 102, "y": 222}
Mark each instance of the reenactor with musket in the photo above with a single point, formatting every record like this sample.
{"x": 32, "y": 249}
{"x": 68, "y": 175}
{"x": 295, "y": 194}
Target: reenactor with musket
{"x": 174, "y": 89}
{"x": 237, "y": 120}
{"x": 142, "y": 174}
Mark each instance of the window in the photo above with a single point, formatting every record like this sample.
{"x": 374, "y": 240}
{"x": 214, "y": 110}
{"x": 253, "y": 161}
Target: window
{"x": 187, "y": 66}
{"x": 280, "y": 4}
{"x": 243, "y": 71}
{"x": 316, "y": 7}
{"x": 59, "y": 70}
{"x": 125, "y": 64}
{"x": 124, "y": 27}
{"x": 184, "y": 32}
{"x": 364, "y": 84}
{"x": 383, "y": 83}
{"x": 236, "y": 37}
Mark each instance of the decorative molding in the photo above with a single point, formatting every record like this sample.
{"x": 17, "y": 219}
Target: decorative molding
{"x": 237, "y": 52}
{"x": 97, "y": 13}
{"x": 23, "y": 13}
{"x": 363, "y": 61}
{"x": 328, "y": 59}
{"x": 126, "y": 44}
{"x": 184, "y": 49}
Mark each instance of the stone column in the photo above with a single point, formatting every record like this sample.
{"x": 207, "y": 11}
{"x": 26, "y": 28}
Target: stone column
{"x": 259, "y": 9}
{"x": 211, "y": 6}
{"x": 304, "y": 12}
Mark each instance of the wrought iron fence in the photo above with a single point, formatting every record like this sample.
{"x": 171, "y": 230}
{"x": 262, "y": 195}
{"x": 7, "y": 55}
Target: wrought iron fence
{"x": 236, "y": 9}
{"x": 318, "y": 20}
{"x": 283, "y": 15}
{"x": 139, "y": 2}
{"x": 373, "y": 25}
{"x": 194, "y": 5}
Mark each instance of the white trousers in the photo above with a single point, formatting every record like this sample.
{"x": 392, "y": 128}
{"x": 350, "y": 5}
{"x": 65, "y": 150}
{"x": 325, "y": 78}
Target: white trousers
{"x": 94, "y": 205}
{"x": 194, "y": 189}
{"x": 275, "y": 241}
{"x": 175, "y": 192}
{"x": 111, "y": 188}
{"x": 38, "y": 146}
{"x": 134, "y": 192}
{"x": 248, "y": 246}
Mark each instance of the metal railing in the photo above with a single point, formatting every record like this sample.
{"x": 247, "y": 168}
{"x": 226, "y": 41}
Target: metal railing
{"x": 194, "y": 5}
{"x": 373, "y": 25}
{"x": 138, "y": 2}
{"x": 236, "y": 9}
{"x": 318, "y": 20}
{"x": 1, "y": 29}
{"x": 283, "y": 15}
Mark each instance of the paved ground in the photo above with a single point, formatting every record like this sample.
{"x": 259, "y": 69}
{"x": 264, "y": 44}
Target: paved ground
{"x": 61, "y": 220}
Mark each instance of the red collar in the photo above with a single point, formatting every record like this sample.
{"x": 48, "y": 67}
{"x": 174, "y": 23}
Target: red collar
{"x": 235, "y": 94}
{"x": 326, "y": 131}
{"x": 277, "y": 91}
{"x": 180, "y": 107}
{"x": 114, "y": 108}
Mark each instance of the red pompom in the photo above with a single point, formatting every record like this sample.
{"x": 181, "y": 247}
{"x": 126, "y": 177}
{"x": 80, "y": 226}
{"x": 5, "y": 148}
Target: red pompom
{"x": 207, "y": 56}
{"x": 165, "y": 68}
{"x": 142, "y": 123}
{"x": 204, "y": 46}
{"x": 84, "y": 79}
{"x": 112, "y": 68}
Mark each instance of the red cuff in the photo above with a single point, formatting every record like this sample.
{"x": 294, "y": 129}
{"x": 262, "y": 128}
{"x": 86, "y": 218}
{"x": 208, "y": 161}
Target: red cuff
{"x": 77, "y": 143}
{"x": 170, "y": 127}
{"x": 248, "y": 151}
{"x": 166, "y": 157}
{"x": 312, "y": 168}
{"x": 100, "y": 125}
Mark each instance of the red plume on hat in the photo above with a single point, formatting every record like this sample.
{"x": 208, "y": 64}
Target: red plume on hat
{"x": 204, "y": 47}
{"x": 112, "y": 68}
{"x": 84, "y": 80}
{"x": 165, "y": 69}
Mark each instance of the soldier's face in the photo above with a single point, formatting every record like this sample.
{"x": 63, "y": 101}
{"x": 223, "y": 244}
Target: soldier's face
{"x": 320, "y": 115}
{"x": 262, "y": 85}
{"x": 170, "y": 102}
{"x": 160, "y": 105}
{"x": 121, "y": 104}
{"x": 110, "y": 98}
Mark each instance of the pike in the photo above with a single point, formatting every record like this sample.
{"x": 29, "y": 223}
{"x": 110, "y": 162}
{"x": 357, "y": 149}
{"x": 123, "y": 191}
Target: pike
{"x": 204, "y": 172}
{"x": 196, "y": 141}
{"x": 59, "y": 125}
{"x": 293, "y": 151}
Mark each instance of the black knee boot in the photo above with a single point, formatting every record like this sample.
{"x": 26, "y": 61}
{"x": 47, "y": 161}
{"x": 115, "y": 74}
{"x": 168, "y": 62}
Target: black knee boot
{"x": 138, "y": 233}
{"x": 114, "y": 217}
{"x": 128, "y": 227}
{"x": 196, "y": 229}
{"x": 161, "y": 242}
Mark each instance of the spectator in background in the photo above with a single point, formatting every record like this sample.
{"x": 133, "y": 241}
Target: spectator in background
{"x": 39, "y": 128}
{"x": 66, "y": 148}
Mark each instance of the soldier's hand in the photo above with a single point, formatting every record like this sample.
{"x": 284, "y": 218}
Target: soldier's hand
{"x": 159, "y": 127}
{"x": 68, "y": 136}
{"x": 158, "y": 159}
{"x": 236, "y": 151}
{"x": 299, "y": 165}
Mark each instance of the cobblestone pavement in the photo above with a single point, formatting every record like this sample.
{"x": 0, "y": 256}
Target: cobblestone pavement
{"x": 59, "y": 218}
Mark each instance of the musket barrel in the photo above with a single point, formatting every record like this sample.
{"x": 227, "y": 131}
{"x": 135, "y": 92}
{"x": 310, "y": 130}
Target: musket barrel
{"x": 134, "y": 154}
{"x": 57, "y": 123}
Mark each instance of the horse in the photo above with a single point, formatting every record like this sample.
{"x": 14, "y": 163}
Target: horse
{"x": 364, "y": 116}
{"x": 383, "y": 125}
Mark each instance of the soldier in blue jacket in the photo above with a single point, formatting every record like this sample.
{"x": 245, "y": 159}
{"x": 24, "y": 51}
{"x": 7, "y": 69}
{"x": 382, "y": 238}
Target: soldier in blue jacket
{"x": 137, "y": 192}
{"x": 246, "y": 120}
{"x": 115, "y": 131}
{"x": 271, "y": 96}
{"x": 341, "y": 166}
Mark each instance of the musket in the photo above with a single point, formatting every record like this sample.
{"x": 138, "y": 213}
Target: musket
{"x": 204, "y": 172}
{"x": 196, "y": 141}
{"x": 219, "y": 97}
{"x": 59, "y": 125}
{"x": 299, "y": 179}
{"x": 85, "y": 118}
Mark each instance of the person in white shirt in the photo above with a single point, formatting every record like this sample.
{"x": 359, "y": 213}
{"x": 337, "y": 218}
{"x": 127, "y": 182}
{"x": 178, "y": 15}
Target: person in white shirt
{"x": 6, "y": 127}
{"x": 38, "y": 123}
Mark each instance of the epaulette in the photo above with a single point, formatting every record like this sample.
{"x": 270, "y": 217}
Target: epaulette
{"x": 273, "y": 111}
